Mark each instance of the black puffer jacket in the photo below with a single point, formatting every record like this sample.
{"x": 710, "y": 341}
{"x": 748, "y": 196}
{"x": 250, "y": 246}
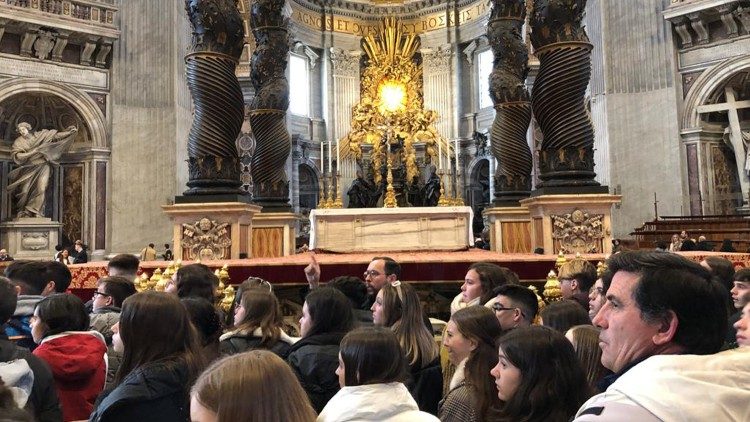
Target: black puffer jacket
{"x": 314, "y": 359}
{"x": 43, "y": 402}
{"x": 238, "y": 343}
{"x": 155, "y": 392}
{"x": 426, "y": 386}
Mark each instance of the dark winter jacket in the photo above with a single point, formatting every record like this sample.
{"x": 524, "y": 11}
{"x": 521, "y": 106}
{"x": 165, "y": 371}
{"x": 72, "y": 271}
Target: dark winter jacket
{"x": 43, "y": 402}
{"x": 426, "y": 386}
{"x": 158, "y": 392}
{"x": 314, "y": 359}
{"x": 238, "y": 342}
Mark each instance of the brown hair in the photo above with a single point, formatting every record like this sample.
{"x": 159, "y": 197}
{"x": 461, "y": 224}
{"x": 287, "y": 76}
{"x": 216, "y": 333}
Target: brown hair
{"x": 372, "y": 355}
{"x": 479, "y": 324}
{"x": 253, "y": 386}
{"x": 155, "y": 326}
{"x": 492, "y": 276}
{"x": 586, "y": 344}
{"x": 261, "y": 311}
{"x": 402, "y": 312}
{"x": 553, "y": 385}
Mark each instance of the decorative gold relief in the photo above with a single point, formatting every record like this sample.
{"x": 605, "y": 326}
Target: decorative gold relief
{"x": 390, "y": 116}
{"x": 206, "y": 239}
{"x": 578, "y": 231}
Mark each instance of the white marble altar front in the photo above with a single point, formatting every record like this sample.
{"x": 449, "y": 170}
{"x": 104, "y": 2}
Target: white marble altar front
{"x": 391, "y": 229}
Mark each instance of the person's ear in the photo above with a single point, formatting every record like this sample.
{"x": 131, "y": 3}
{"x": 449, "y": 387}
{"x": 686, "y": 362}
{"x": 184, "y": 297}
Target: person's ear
{"x": 474, "y": 344}
{"x": 517, "y": 315}
{"x": 18, "y": 290}
{"x": 110, "y": 301}
{"x": 574, "y": 284}
{"x": 667, "y": 329}
{"x": 391, "y": 278}
{"x": 49, "y": 289}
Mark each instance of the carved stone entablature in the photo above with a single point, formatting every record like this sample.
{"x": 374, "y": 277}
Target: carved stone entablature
{"x": 345, "y": 63}
{"x": 578, "y": 231}
{"x": 88, "y": 24}
{"x": 206, "y": 239}
{"x": 437, "y": 59}
{"x": 692, "y": 20}
{"x": 366, "y": 7}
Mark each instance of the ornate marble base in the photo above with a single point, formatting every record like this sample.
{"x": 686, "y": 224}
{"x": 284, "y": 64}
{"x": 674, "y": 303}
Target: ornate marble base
{"x": 208, "y": 231}
{"x": 572, "y": 223}
{"x": 391, "y": 229}
{"x": 510, "y": 229}
{"x": 30, "y": 238}
{"x": 274, "y": 234}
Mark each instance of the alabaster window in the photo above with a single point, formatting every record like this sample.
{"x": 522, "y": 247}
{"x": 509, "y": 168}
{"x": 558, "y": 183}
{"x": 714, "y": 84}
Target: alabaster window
{"x": 299, "y": 85}
{"x": 484, "y": 68}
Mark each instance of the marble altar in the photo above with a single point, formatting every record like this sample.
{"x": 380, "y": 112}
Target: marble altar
{"x": 399, "y": 229}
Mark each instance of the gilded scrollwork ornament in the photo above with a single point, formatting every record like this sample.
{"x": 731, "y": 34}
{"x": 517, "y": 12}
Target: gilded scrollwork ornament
{"x": 390, "y": 116}
{"x": 206, "y": 239}
{"x": 578, "y": 231}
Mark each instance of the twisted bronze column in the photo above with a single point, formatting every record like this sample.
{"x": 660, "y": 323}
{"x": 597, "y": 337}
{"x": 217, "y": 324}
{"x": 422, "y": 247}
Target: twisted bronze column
{"x": 268, "y": 108}
{"x": 512, "y": 106}
{"x": 213, "y": 163}
{"x": 567, "y": 152}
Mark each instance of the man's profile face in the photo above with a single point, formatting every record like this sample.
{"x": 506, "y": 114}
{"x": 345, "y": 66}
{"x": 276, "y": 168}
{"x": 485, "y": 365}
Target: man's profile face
{"x": 625, "y": 336}
{"x": 740, "y": 293}
{"x": 375, "y": 277}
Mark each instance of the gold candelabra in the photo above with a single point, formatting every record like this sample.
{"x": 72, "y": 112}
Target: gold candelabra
{"x": 338, "y": 201}
{"x": 322, "y": 195}
{"x": 329, "y": 197}
{"x": 561, "y": 260}
{"x": 390, "y": 193}
{"x": 443, "y": 201}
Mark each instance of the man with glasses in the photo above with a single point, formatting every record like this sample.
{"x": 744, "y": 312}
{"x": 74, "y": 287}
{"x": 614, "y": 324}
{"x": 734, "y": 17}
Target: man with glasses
{"x": 107, "y": 302}
{"x": 515, "y": 306}
{"x": 380, "y": 271}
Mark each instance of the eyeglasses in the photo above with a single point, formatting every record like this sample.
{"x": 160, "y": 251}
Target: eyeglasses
{"x": 498, "y": 307}
{"x": 371, "y": 273}
{"x": 100, "y": 294}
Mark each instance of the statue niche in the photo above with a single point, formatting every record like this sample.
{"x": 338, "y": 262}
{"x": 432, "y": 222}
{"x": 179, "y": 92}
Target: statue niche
{"x": 34, "y": 154}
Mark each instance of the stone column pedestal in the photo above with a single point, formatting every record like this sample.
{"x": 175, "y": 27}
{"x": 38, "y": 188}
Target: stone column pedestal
{"x": 572, "y": 223}
{"x": 274, "y": 234}
{"x": 30, "y": 238}
{"x": 510, "y": 229}
{"x": 208, "y": 231}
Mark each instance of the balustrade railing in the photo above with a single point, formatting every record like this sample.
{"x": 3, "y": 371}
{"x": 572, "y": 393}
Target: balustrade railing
{"x": 96, "y": 11}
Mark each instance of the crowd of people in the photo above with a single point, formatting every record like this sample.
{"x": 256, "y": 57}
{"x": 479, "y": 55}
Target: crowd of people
{"x": 655, "y": 337}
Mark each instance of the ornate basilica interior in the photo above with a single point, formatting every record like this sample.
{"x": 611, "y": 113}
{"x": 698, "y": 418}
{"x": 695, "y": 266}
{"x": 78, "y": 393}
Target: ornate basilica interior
{"x": 389, "y": 105}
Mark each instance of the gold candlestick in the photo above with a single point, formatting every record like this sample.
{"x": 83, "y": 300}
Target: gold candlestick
{"x": 338, "y": 202}
{"x": 443, "y": 201}
{"x": 390, "y": 194}
{"x": 329, "y": 199}
{"x": 322, "y": 194}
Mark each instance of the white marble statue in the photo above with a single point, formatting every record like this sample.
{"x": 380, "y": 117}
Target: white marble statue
{"x": 34, "y": 155}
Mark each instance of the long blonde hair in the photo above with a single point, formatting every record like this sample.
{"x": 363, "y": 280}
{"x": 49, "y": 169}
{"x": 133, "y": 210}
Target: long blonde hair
{"x": 402, "y": 312}
{"x": 253, "y": 386}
